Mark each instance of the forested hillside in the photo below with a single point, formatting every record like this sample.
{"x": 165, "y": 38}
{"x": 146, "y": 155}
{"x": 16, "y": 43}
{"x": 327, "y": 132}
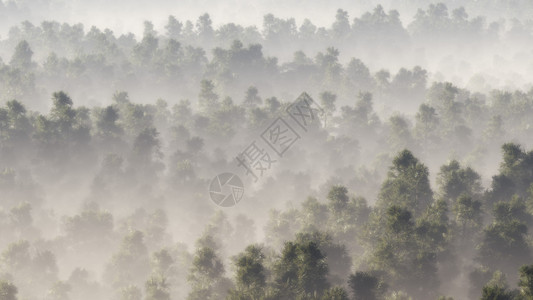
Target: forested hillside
{"x": 414, "y": 180}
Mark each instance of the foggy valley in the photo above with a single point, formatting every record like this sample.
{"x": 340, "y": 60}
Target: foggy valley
{"x": 264, "y": 150}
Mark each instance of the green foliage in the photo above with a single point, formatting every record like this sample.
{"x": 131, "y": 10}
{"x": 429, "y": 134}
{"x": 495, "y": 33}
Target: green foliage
{"x": 130, "y": 264}
{"x": 8, "y": 291}
{"x": 226, "y": 120}
{"x": 399, "y": 220}
{"x": 398, "y": 295}
{"x": 174, "y": 27}
{"x": 341, "y": 26}
{"x": 400, "y": 136}
{"x": 162, "y": 263}
{"x": 157, "y": 288}
{"x": 301, "y": 271}
{"x": 366, "y": 287}
{"x": 130, "y": 293}
{"x": 281, "y": 226}
{"x": 514, "y": 177}
{"x": 526, "y": 281}
{"x": 91, "y": 223}
{"x": 427, "y": 125}
{"x": 22, "y": 57}
{"x": 504, "y": 245}
{"x": 335, "y": 293}
{"x": 406, "y": 250}
{"x": 313, "y": 214}
{"x": 62, "y": 112}
{"x": 106, "y": 124}
{"x": 252, "y": 98}
{"x": 208, "y": 99}
{"x": 468, "y": 215}
{"x": 21, "y": 216}
{"x": 335, "y": 254}
{"x": 59, "y": 291}
{"x": 407, "y": 185}
{"x": 17, "y": 255}
{"x": 338, "y": 199}
{"x": 206, "y": 275}
{"x": 144, "y": 52}
{"x": 454, "y": 181}
{"x": 327, "y": 101}
{"x": 496, "y": 293}
{"x": 250, "y": 277}
{"x": 250, "y": 273}
{"x": 515, "y": 209}
{"x": 154, "y": 157}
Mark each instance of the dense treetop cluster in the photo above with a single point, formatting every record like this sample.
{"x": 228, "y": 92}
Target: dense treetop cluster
{"x": 412, "y": 188}
{"x": 350, "y": 55}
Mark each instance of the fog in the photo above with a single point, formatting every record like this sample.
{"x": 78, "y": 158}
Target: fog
{"x": 266, "y": 150}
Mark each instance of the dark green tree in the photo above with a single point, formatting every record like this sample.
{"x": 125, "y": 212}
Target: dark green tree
{"x": 22, "y": 57}
{"x": 526, "y": 281}
{"x": 407, "y": 185}
{"x": 8, "y": 291}
{"x": 250, "y": 277}
{"x": 252, "y": 99}
{"x": 503, "y": 246}
{"x": 206, "y": 276}
{"x": 301, "y": 271}
{"x": 453, "y": 180}
{"x": 494, "y": 292}
{"x": 365, "y": 286}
